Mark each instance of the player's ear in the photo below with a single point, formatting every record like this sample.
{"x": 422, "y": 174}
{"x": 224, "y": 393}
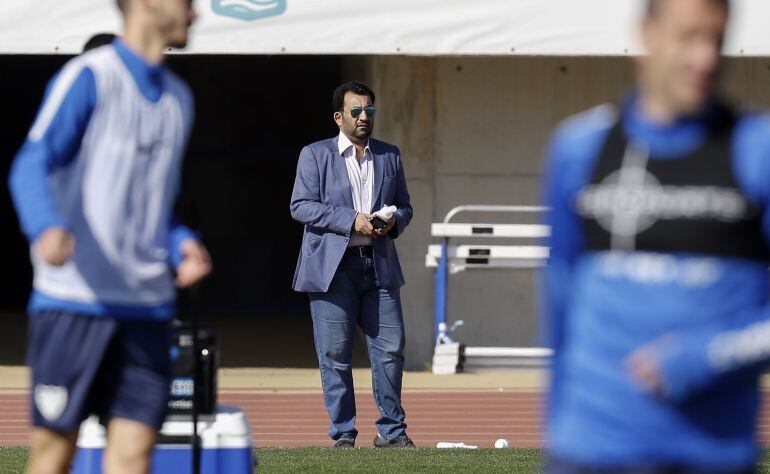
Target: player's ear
{"x": 338, "y": 118}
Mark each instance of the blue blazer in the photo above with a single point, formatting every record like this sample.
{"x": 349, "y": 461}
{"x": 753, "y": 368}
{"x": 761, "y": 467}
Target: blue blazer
{"x": 322, "y": 200}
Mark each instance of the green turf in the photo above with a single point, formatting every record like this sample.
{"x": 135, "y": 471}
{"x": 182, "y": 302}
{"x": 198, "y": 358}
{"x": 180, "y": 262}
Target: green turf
{"x": 12, "y": 460}
{"x": 418, "y": 460}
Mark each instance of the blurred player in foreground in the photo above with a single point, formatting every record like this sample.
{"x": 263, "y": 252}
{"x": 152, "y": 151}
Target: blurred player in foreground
{"x": 94, "y": 186}
{"x": 657, "y": 286}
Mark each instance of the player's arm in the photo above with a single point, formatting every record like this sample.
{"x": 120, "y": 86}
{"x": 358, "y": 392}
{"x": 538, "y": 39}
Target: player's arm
{"x": 306, "y": 206}
{"x": 187, "y": 254}
{"x": 52, "y": 142}
{"x": 678, "y": 365}
{"x": 564, "y": 242}
{"x": 556, "y": 276}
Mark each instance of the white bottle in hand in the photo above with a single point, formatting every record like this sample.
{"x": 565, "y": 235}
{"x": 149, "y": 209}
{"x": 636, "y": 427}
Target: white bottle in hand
{"x": 383, "y": 216}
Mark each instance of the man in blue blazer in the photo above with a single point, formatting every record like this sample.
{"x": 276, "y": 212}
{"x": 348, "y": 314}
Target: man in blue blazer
{"x": 348, "y": 264}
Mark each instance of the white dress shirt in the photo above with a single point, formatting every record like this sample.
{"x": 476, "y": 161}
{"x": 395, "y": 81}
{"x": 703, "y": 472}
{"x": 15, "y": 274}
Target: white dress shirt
{"x": 361, "y": 175}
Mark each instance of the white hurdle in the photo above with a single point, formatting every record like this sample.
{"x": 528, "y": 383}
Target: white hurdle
{"x": 450, "y": 356}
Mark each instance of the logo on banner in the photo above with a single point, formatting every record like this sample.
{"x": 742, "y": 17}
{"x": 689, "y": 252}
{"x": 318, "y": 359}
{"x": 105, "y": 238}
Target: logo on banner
{"x": 248, "y": 10}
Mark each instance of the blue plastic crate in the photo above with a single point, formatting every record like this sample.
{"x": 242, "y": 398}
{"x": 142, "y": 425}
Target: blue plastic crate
{"x": 226, "y": 446}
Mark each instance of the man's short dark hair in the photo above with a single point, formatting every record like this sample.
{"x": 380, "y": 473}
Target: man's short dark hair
{"x": 356, "y": 87}
{"x": 122, "y": 5}
{"x": 653, "y": 6}
{"x": 97, "y": 40}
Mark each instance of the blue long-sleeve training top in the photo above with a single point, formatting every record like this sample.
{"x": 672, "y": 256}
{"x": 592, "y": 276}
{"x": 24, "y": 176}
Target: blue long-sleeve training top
{"x": 103, "y": 160}
{"x": 677, "y": 258}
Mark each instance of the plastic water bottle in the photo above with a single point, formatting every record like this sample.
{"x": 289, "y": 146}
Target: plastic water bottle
{"x": 386, "y": 212}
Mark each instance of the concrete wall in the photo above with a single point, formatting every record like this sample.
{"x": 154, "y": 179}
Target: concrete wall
{"x": 472, "y": 131}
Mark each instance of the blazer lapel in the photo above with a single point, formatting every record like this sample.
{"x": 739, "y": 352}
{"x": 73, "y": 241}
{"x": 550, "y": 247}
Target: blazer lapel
{"x": 341, "y": 170}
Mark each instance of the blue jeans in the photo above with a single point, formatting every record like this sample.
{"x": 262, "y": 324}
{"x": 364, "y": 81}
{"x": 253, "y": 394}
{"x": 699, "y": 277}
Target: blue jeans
{"x": 355, "y": 298}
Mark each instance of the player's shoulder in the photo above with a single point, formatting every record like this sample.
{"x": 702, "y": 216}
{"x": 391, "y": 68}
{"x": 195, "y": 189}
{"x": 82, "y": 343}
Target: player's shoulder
{"x": 99, "y": 64}
{"x": 751, "y": 149}
{"x": 751, "y": 138}
{"x": 74, "y": 79}
{"x": 753, "y": 125}
{"x": 97, "y": 60}
{"x": 77, "y": 69}
{"x": 178, "y": 86}
{"x": 587, "y": 126}
{"x": 578, "y": 139}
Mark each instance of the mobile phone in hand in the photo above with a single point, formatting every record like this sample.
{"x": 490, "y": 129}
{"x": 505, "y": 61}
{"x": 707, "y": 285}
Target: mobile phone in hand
{"x": 378, "y": 223}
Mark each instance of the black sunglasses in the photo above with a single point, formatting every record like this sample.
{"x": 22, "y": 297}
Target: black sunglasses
{"x": 355, "y": 112}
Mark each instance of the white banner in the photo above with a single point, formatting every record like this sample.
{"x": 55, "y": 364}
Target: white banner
{"x": 414, "y": 27}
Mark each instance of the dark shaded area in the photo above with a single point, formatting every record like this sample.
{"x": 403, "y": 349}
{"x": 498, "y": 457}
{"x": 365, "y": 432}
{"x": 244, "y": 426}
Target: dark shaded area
{"x": 24, "y": 79}
{"x": 244, "y": 340}
{"x": 253, "y": 115}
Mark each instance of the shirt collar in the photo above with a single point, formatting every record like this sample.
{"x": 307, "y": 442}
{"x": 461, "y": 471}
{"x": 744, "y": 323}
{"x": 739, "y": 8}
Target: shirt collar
{"x": 344, "y": 144}
{"x": 148, "y": 76}
{"x": 673, "y": 139}
{"x": 632, "y": 109}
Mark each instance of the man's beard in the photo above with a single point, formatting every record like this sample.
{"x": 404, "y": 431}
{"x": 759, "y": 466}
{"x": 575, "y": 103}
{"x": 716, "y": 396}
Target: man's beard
{"x": 365, "y": 133}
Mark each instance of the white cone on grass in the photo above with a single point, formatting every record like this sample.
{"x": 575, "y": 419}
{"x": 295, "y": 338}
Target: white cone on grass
{"x": 449, "y": 445}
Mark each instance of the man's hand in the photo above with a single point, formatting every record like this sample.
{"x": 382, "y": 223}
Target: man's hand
{"x": 386, "y": 229}
{"x": 196, "y": 263}
{"x": 363, "y": 226}
{"x": 645, "y": 364}
{"x": 55, "y": 246}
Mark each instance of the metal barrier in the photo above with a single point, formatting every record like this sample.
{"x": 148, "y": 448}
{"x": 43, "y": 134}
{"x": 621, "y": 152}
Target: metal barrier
{"x": 450, "y": 356}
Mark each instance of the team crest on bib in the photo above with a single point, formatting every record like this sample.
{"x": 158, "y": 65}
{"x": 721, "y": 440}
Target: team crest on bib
{"x": 631, "y": 208}
{"x": 51, "y": 400}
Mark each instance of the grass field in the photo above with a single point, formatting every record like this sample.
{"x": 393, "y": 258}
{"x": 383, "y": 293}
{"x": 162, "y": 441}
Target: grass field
{"x": 12, "y": 460}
